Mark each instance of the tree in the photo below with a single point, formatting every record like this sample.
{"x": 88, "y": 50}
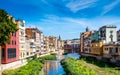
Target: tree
{"x": 6, "y": 27}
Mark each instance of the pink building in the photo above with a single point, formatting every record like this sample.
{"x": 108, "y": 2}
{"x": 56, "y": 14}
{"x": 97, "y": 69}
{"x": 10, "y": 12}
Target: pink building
{"x": 10, "y": 52}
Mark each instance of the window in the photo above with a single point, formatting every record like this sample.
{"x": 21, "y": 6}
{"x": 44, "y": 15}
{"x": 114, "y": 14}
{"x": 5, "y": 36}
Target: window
{"x": 12, "y": 42}
{"x": 22, "y": 46}
{"x": 13, "y": 34}
{"x": 105, "y": 48}
{"x": 22, "y": 24}
{"x": 23, "y": 54}
{"x": 110, "y": 49}
{"x": 27, "y": 53}
{"x": 22, "y": 32}
{"x": 22, "y": 38}
{"x": 11, "y": 53}
{"x": 111, "y": 31}
{"x": 44, "y": 46}
{"x": 116, "y": 50}
{"x": 3, "y": 53}
{"x": 15, "y": 42}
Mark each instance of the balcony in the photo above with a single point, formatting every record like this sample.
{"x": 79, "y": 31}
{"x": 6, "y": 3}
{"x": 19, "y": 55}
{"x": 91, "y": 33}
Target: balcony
{"x": 114, "y": 54}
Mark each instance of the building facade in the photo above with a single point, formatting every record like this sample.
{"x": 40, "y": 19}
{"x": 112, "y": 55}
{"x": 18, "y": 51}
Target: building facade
{"x": 22, "y": 49}
{"x": 118, "y": 35}
{"x": 47, "y": 44}
{"x": 76, "y": 45}
{"x": 43, "y": 44}
{"x": 27, "y": 46}
{"x": 111, "y": 52}
{"x": 96, "y": 48}
{"x": 52, "y": 43}
{"x": 68, "y": 45}
{"x": 72, "y": 46}
{"x": 96, "y": 44}
{"x": 35, "y": 41}
{"x": 10, "y": 51}
{"x": 108, "y": 34}
{"x": 87, "y": 42}
{"x": 104, "y": 44}
{"x": 81, "y": 42}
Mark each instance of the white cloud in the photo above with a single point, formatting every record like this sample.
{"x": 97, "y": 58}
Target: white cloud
{"x": 109, "y": 7}
{"x": 71, "y": 27}
{"x": 80, "y": 4}
{"x": 95, "y": 23}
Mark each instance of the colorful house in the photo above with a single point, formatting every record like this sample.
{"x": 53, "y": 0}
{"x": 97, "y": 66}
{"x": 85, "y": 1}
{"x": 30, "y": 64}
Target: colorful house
{"x": 10, "y": 51}
{"x": 96, "y": 45}
{"x": 21, "y": 32}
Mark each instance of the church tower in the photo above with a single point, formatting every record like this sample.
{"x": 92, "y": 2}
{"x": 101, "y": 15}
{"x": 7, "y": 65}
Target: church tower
{"x": 87, "y": 29}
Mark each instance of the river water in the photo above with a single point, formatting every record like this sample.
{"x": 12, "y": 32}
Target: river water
{"x": 53, "y": 67}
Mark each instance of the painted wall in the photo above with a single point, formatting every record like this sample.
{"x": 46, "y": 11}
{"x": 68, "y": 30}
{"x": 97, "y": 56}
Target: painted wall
{"x": 14, "y": 43}
{"x": 96, "y": 48}
{"x": 108, "y": 33}
{"x": 22, "y": 48}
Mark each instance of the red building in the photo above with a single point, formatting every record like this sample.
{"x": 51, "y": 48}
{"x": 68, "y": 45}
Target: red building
{"x": 10, "y": 52}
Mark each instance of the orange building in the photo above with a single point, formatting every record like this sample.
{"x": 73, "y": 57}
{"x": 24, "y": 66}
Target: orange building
{"x": 96, "y": 48}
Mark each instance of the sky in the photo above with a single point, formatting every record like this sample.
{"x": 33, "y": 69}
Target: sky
{"x": 67, "y": 18}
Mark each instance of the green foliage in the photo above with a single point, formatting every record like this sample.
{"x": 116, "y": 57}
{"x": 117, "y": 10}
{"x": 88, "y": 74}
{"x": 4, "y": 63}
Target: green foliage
{"x": 94, "y": 61}
{"x": 6, "y": 26}
{"x": 65, "y": 52}
{"x": 52, "y": 53}
{"x": 49, "y": 57}
{"x": 32, "y": 68}
{"x": 106, "y": 67}
{"x": 35, "y": 56}
{"x": 75, "y": 67}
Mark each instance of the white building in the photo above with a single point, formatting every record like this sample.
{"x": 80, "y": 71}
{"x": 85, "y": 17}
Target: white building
{"x": 118, "y": 35}
{"x": 108, "y": 34}
{"x": 27, "y": 46}
{"x": 42, "y": 43}
{"x": 22, "y": 48}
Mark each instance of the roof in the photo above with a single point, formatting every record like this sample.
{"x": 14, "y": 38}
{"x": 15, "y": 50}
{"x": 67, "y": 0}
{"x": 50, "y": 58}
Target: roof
{"x": 108, "y": 26}
{"x": 34, "y": 29}
{"x": 112, "y": 44}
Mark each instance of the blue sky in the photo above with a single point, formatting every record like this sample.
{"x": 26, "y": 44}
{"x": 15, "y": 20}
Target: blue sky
{"x": 67, "y": 18}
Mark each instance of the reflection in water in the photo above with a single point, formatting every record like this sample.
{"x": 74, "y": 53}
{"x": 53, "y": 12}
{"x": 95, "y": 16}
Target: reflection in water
{"x": 53, "y": 67}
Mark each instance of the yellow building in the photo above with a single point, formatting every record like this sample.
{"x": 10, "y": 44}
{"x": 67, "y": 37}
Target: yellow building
{"x": 86, "y": 47}
{"x": 47, "y": 44}
{"x": 96, "y": 48}
{"x": 62, "y": 44}
{"x": 111, "y": 50}
{"x": 52, "y": 43}
{"x": 86, "y": 34}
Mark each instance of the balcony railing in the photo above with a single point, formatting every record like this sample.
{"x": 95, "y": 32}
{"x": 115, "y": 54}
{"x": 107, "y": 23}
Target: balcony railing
{"x": 114, "y": 53}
